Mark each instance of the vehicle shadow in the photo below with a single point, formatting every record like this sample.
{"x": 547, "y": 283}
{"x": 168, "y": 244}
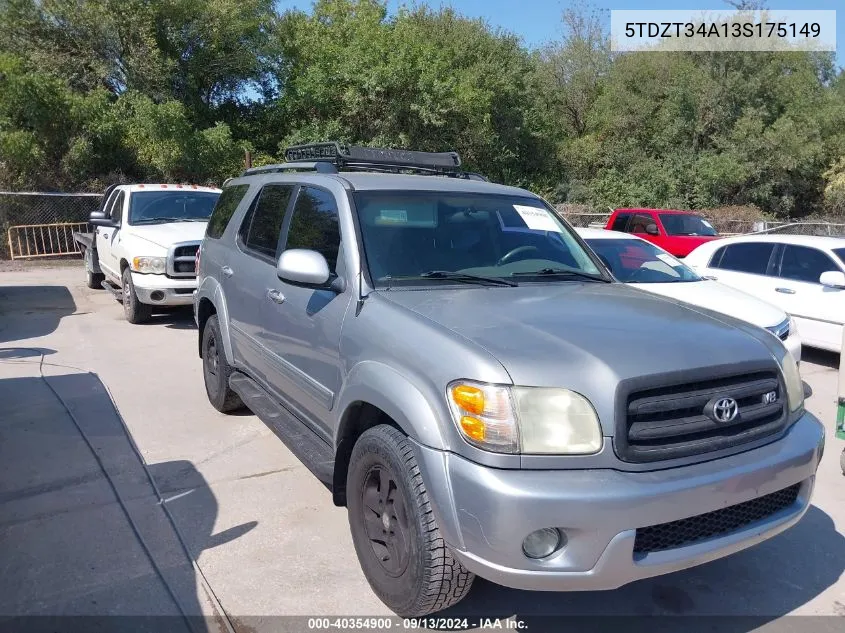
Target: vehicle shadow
{"x": 738, "y": 593}
{"x": 82, "y": 527}
{"x": 176, "y": 318}
{"x": 32, "y": 311}
{"x": 820, "y": 357}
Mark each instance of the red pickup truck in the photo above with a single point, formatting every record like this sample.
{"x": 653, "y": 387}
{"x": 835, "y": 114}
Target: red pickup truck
{"x": 678, "y": 232}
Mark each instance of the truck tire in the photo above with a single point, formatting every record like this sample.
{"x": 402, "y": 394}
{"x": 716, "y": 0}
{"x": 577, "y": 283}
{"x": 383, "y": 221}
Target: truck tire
{"x": 94, "y": 280}
{"x": 398, "y": 543}
{"x": 134, "y": 310}
{"x": 216, "y": 369}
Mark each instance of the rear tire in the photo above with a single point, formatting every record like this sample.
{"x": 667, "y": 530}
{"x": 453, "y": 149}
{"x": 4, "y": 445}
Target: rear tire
{"x": 216, "y": 369}
{"x": 135, "y": 311}
{"x": 94, "y": 280}
{"x": 396, "y": 537}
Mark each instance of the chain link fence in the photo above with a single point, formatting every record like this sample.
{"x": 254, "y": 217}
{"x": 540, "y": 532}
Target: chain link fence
{"x": 34, "y": 224}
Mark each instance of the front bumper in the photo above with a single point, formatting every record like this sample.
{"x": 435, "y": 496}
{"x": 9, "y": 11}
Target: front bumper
{"x": 486, "y": 513}
{"x": 161, "y": 290}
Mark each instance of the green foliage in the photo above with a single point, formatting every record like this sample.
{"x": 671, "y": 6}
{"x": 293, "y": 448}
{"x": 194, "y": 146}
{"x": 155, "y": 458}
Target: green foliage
{"x": 93, "y": 91}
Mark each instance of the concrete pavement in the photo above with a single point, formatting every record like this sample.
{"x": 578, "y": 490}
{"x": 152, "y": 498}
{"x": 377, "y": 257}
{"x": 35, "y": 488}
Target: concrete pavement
{"x": 262, "y": 530}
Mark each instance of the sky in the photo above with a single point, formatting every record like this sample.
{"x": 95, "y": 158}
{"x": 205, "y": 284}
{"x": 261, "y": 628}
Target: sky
{"x": 538, "y": 21}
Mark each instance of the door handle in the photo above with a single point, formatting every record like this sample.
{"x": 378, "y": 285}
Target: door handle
{"x": 105, "y": 236}
{"x": 786, "y": 291}
{"x": 275, "y": 296}
{"x": 711, "y": 277}
{"x": 227, "y": 271}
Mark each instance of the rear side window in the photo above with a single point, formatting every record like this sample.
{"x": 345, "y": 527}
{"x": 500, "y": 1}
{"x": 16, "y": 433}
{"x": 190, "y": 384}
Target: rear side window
{"x": 315, "y": 224}
{"x": 805, "y": 264}
{"x": 620, "y": 221}
{"x": 265, "y": 222}
{"x": 224, "y": 209}
{"x": 751, "y": 257}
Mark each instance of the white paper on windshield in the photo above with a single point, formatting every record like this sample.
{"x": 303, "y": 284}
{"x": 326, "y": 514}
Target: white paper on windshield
{"x": 707, "y": 224}
{"x": 668, "y": 259}
{"x": 537, "y": 219}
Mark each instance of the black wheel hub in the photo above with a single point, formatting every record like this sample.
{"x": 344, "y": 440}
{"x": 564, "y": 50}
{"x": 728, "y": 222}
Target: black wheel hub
{"x": 386, "y": 520}
{"x": 211, "y": 363}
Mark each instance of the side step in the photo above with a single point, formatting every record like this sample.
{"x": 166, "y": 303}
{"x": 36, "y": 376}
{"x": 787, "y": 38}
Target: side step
{"x": 117, "y": 292}
{"x": 308, "y": 447}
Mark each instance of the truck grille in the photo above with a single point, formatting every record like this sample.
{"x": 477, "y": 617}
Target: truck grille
{"x": 679, "y": 420}
{"x": 181, "y": 259}
{"x": 665, "y": 536}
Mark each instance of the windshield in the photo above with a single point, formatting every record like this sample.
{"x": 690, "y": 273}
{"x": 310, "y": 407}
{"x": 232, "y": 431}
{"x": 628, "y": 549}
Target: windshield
{"x": 151, "y": 207}
{"x": 408, "y": 234}
{"x": 684, "y": 224}
{"x": 640, "y": 262}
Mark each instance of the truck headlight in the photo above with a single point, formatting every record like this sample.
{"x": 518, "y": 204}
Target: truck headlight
{"x": 149, "y": 265}
{"x": 528, "y": 420}
{"x": 792, "y": 379}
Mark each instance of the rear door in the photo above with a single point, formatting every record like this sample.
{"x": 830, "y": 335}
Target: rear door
{"x": 819, "y": 311}
{"x": 108, "y": 236}
{"x": 301, "y": 326}
{"x": 746, "y": 266}
{"x": 249, "y": 270}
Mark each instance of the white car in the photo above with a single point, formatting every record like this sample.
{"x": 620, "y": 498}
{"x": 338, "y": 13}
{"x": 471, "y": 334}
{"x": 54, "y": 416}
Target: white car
{"x": 636, "y": 261}
{"x": 802, "y": 274}
{"x": 146, "y": 242}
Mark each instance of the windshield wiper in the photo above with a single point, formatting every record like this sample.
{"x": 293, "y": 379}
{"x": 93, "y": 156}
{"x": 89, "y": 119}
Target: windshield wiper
{"x": 167, "y": 220}
{"x": 561, "y": 272}
{"x": 467, "y": 277}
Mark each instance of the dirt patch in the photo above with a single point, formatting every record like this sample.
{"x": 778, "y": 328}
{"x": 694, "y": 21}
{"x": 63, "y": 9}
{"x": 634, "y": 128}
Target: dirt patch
{"x": 20, "y": 265}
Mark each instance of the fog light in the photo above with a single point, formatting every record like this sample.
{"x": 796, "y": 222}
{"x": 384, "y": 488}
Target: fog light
{"x": 541, "y": 543}
{"x": 156, "y": 295}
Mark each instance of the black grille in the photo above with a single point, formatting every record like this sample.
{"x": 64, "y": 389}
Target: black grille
{"x": 717, "y": 523}
{"x": 673, "y": 421}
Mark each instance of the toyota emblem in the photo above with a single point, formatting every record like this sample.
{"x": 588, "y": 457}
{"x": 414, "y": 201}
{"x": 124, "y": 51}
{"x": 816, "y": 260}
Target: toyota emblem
{"x": 725, "y": 410}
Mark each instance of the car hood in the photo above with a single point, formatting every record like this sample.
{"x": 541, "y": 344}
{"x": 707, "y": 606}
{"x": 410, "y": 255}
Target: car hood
{"x": 165, "y": 235}
{"x": 720, "y": 298}
{"x": 589, "y": 337}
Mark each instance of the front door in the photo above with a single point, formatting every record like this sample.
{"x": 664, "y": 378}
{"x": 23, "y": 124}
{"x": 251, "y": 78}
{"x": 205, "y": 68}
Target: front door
{"x": 819, "y": 311}
{"x": 301, "y": 326}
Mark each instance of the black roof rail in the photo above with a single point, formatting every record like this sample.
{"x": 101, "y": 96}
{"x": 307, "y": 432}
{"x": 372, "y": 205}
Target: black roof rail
{"x": 358, "y": 158}
{"x": 320, "y": 167}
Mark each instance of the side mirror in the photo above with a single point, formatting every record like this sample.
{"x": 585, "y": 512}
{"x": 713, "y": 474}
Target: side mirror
{"x": 99, "y": 218}
{"x": 651, "y": 229}
{"x": 832, "y": 279}
{"x": 303, "y": 267}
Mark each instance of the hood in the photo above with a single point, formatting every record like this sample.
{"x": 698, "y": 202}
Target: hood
{"x": 165, "y": 235}
{"x": 589, "y": 336}
{"x": 720, "y": 298}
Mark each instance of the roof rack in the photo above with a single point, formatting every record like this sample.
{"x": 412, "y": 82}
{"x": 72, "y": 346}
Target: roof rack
{"x": 331, "y": 157}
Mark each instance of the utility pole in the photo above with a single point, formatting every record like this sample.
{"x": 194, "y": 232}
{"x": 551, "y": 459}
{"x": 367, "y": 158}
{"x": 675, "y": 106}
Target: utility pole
{"x": 247, "y": 159}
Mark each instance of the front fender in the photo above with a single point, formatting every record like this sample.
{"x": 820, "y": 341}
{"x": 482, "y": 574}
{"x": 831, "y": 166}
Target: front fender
{"x": 382, "y": 386}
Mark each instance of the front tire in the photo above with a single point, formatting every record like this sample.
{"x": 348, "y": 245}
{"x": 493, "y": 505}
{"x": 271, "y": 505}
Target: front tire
{"x": 396, "y": 537}
{"x": 216, "y": 370}
{"x": 135, "y": 311}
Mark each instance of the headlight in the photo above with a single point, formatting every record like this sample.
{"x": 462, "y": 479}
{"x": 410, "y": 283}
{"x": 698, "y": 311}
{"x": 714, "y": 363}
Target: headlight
{"x": 150, "y": 265}
{"x": 794, "y": 386}
{"x": 793, "y": 327}
{"x": 528, "y": 420}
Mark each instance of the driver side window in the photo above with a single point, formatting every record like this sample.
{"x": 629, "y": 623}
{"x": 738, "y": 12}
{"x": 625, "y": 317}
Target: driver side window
{"x": 116, "y": 210}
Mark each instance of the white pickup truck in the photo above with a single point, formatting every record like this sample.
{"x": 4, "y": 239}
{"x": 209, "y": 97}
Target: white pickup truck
{"x": 145, "y": 244}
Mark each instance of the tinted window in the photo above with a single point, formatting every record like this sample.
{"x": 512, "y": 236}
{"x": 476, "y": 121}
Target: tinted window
{"x": 314, "y": 224}
{"x": 751, "y": 257}
{"x": 151, "y": 207}
{"x": 805, "y": 264}
{"x": 265, "y": 223}
{"x": 639, "y": 222}
{"x": 682, "y": 224}
{"x": 224, "y": 209}
{"x": 116, "y": 211}
{"x": 620, "y": 221}
{"x": 840, "y": 253}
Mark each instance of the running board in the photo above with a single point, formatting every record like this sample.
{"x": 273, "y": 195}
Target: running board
{"x": 308, "y": 447}
{"x": 117, "y": 292}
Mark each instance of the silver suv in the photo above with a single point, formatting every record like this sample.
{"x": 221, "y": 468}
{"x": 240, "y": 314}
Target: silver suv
{"x": 452, "y": 360}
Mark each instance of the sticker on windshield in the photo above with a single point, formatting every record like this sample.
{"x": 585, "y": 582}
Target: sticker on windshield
{"x": 668, "y": 259}
{"x": 537, "y": 219}
{"x": 707, "y": 224}
{"x": 391, "y": 216}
